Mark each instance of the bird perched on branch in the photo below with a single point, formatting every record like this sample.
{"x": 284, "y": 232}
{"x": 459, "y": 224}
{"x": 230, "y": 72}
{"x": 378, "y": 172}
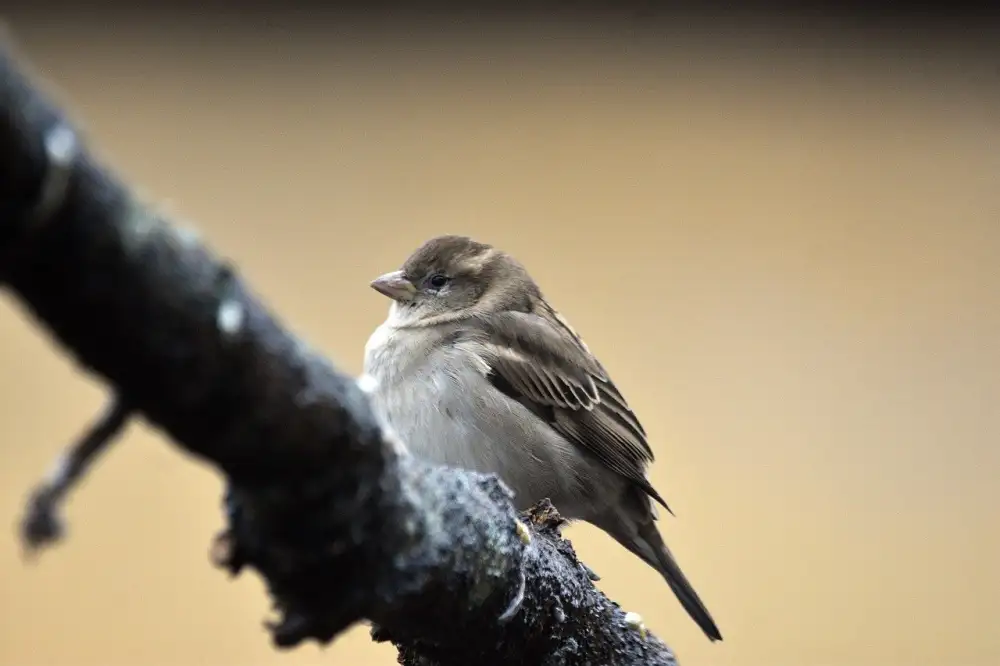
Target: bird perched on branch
{"x": 473, "y": 368}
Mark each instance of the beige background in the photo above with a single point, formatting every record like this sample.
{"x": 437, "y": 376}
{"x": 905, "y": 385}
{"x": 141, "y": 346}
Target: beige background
{"x": 782, "y": 244}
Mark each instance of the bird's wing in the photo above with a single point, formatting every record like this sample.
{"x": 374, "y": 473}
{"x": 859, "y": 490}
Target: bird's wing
{"x": 537, "y": 359}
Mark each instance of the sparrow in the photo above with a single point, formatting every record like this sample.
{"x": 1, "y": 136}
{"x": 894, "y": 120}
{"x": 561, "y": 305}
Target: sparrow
{"x": 473, "y": 368}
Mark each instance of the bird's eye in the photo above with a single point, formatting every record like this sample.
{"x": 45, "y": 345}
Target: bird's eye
{"x": 438, "y": 280}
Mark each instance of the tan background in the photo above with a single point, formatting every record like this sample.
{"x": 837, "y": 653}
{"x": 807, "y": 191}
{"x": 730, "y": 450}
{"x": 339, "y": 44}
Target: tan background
{"x": 782, "y": 244}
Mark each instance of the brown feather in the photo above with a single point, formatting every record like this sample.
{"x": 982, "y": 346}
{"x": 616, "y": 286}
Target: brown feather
{"x": 541, "y": 360}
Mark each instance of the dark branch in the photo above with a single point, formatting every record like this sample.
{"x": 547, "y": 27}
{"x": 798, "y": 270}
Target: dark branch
{"x": 341, "y": 524}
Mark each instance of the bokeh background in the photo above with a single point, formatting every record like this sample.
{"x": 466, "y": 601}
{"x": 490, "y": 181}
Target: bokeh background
{"x": 780, "y": 235}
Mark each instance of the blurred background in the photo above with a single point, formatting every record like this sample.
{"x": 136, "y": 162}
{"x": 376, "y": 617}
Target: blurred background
{"x": 779, "y": 234}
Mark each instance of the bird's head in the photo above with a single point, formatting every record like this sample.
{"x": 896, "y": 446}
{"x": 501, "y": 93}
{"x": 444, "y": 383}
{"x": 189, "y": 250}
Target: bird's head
{"x": 449, "y": 277}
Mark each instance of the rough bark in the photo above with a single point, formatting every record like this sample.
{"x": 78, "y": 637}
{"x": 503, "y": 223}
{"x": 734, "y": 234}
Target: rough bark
{"x": 340, "y": 523}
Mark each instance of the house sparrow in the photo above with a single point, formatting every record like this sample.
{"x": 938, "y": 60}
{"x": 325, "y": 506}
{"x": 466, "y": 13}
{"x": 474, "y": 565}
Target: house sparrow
{"x": 473, "y": 368}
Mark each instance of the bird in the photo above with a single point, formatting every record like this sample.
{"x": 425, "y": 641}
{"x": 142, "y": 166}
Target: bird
{"x": 474, "y": 368}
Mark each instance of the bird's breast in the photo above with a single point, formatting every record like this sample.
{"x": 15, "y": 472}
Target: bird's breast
{"x": 436, "y": 397}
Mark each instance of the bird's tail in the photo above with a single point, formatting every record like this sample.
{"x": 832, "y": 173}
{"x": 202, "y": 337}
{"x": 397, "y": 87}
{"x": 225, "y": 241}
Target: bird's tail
{"x": 633, "y": 526}
{"x": 651, "y": 548}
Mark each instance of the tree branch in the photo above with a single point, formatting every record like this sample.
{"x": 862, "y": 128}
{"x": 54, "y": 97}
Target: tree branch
{"x": 340, "y": 522}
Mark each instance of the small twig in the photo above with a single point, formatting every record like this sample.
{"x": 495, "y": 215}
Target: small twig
{"x": 42, "y": 525}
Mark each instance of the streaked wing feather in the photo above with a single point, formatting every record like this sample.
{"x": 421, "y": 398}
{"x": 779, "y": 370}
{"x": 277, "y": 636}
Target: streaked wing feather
{"x": 531, "y": 355}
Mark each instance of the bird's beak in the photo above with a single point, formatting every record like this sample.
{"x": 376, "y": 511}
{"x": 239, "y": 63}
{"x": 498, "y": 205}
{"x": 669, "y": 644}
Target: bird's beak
{"x": 395, "y": 286}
